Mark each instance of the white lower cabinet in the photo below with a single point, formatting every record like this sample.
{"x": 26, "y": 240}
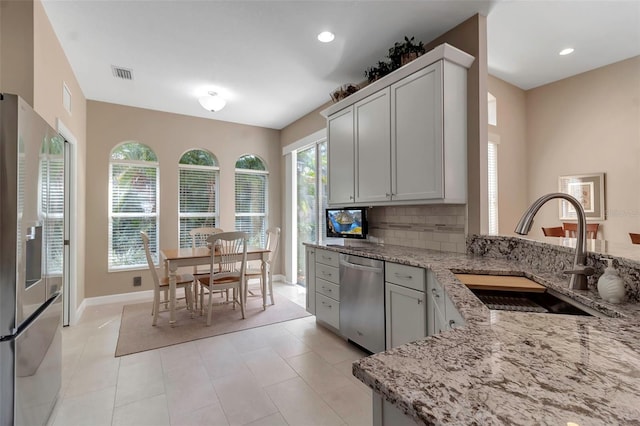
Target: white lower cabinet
{"x": 405, "y": 304}
{"x": 327, "y": 287}
{"x": 310, "y": 279}
{"x": 386, "y": 414}
{"x": 442, "y": 314}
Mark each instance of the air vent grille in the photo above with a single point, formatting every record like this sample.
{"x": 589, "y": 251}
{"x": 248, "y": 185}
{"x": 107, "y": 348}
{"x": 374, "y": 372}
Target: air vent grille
{"x": 123, "y": 73}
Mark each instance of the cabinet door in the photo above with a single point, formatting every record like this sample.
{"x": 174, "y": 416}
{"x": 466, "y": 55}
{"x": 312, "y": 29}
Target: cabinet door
{"x": 373, "y": 165}
{"x": 340, "y": 152}
{"x": 405, "y": 315}
{"x": 452, "y": 316}
{"x": 310, "y": 279}
{"x": 417, "y": 136}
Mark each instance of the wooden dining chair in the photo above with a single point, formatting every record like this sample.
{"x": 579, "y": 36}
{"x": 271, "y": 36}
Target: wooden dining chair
{"x": 635, "y": 238}
{"x": 229, "y": 261}
{"x": 199, "y": 239}
{"x": 273, "y": 239}
{"x": 571, "y": 230}
{"x": 553, "y": 231}
{"x": 161, "y": 286}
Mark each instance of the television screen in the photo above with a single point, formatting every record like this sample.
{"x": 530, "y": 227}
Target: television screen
{"x": 347, "y": 223}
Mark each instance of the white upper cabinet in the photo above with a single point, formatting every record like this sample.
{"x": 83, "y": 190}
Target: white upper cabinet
{"x": 340, "y": 158}
{"x": 416, "y": 140}
{"x": 408, "y": 137}
{"x": 373, "y": 176}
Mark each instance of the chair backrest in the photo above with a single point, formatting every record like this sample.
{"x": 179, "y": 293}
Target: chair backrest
{"x": 147, "y": 252}
{"x": 199, "y": 235}
{"x": 635, "y": 238}
{"x": 553, "y": 231}
{"x": 228, "y": 250}
{"x": 571, "y": 229}
{"x": 273, "y": 241}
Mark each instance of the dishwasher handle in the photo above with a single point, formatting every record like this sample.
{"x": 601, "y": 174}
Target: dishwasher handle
{"x": 350, "y": 265}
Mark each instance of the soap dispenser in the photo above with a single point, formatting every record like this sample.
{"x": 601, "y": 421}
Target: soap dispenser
{"x": 610, "y": 284}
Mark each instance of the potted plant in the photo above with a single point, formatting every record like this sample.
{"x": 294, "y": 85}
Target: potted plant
{"x": 403, "y": 53}
{"x": 381, "y": 69}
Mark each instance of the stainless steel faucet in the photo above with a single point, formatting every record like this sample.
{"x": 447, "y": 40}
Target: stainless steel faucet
{"x": 580, "y": 269}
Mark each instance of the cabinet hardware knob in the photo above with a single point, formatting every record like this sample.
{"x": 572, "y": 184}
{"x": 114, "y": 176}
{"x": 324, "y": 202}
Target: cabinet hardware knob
{"x": 403, "y": 276}
{"x": 419, "y": 301}
{"x": 433, "y": 291}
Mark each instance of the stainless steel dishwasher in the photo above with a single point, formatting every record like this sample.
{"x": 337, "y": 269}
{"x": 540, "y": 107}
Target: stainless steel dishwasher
{"x": 362, "y": 301}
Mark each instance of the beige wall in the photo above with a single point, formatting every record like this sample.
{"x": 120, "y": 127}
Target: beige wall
{"x": 471, "y": 37}
{"x": 512, "y": 153}
{"x": 169, "y": 135}
{"x": 304, "y": 126}
{"x": 589, "y": 123}
{"x": 17, "y": 40}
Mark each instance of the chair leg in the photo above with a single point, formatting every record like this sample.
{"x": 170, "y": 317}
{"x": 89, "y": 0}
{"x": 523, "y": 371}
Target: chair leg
{"x": 156, "y": 306}
{"x": 242, "y": 302}
{"x": 270, "y": 278}
{"x": 201, "y": 300}
{"x": 210, "y": 306}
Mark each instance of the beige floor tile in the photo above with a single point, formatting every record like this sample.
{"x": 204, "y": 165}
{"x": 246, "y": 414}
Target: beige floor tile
{"x": 133, "y": 391}
{"x": 272, "y": 420}
{"x": 191, "y": 397}
{"x": 221, "y": 359}
{"x": 288, "y": 346}
{"x": 93, "y": 376}
{"x": 256, "y": 338}
{"x": 177, "y": 356}
{"x": 321, "y": 376}
{"x": 187, "y": 375}
{"x": 91, "y": 408}
{"x": 146, "y": 357}
{"x": 268, "y": 367}
{"x": 243, "y": 399}
{"x": 147, "y": 412}
{"x": 346, "y": 368}
{"x": 300, "y": 405}
{"x": 351, "y": 403}
{"x": 211, "y": 415}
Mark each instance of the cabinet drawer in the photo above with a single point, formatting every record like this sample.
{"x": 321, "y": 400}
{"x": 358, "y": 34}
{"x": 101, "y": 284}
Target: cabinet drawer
{"x": 328, "y": 289}
{"x": 328, "y": 310}
{"x": 326, "y": 257}
{"x": 327, "y": 273}
{"x": 407, "y": 276}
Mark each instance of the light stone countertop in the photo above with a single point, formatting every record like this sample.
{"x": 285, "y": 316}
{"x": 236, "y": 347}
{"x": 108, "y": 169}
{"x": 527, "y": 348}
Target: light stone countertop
{"x": 509, "y": 367}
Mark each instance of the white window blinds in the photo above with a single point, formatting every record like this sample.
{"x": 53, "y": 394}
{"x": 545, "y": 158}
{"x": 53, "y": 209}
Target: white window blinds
{"x": 52, "y": 211}
{"x": 251, "y": 205}
{"x": 492, "y": 169}
{"x": 198, "y": 202}
{"x": 133, "y": 207}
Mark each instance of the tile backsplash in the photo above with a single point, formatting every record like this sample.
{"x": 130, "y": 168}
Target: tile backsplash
{"x": 440, "y": 227}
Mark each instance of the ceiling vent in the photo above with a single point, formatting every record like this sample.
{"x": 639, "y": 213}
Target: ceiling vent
{"x": 123, "y": 73}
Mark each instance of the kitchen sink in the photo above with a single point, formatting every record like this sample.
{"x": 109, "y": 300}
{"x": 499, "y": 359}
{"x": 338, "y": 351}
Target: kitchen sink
{"x": 544, "y": 303}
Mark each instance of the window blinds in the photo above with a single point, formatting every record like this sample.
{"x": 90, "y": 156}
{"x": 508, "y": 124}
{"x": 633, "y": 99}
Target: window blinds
{"x": 52, "y": 212}
{"x": 198, "y": 205}
{"x": 492, "y": 171}
{"x": 133, "y": 208}
{"x": 251, "y": 206}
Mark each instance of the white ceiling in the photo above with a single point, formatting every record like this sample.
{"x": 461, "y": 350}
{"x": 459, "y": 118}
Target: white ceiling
{"x": 263, "y": 55}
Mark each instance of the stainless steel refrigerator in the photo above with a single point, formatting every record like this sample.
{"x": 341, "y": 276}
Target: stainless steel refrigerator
{"x": 31, "y": 259}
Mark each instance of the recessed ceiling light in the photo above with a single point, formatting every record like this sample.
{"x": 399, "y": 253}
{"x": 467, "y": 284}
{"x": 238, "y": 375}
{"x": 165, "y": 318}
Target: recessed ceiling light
{"x": 326, "y": 36}
{"x": 566, "y": 51}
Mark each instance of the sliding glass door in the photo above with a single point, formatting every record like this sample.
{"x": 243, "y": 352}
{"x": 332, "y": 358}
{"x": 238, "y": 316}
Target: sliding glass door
{"x": 311, "y": 184}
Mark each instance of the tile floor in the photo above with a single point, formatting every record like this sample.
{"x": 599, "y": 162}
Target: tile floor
{"x": 291, "y": 373}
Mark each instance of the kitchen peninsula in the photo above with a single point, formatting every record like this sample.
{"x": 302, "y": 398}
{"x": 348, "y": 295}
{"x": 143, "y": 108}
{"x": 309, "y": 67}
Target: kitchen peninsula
{"x": 510, "y": 367}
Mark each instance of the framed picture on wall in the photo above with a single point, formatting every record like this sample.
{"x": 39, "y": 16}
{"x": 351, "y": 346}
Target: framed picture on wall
{"x": 588, "y": 190}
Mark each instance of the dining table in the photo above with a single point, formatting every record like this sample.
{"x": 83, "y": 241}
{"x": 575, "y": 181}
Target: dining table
{"x": 175, "y": 258}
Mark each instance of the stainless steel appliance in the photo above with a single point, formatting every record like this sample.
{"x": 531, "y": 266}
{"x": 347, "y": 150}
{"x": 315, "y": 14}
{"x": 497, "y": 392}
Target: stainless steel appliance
{"x": 31, "y": 255}
{"x": 362, "y": 301}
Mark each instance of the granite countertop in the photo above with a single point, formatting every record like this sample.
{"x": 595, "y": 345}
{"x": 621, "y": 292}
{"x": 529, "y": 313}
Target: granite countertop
{"x": 509, "y": 367}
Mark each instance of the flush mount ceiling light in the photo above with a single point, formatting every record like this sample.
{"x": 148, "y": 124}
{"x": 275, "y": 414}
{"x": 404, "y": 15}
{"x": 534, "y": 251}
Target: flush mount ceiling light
{"x": 212, "y": 102}
{"x": 326, "y": 36}
{"x": 566, "y": 51}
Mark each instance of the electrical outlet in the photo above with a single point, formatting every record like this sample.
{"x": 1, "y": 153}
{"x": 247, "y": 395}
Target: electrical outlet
{"x": 137, "y": 281}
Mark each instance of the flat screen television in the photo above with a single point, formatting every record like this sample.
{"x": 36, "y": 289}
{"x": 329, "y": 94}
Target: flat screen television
{"x": 347, "y": 222}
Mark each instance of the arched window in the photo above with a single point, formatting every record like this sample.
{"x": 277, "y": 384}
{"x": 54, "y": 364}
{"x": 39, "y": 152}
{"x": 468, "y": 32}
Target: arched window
{"x": 133, "y": 204}
{"x": 198, "y": 201}
{"x": 251, "y": 198}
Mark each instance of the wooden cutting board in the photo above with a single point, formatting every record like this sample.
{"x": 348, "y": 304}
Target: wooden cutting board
{"x": 500, "y": 282}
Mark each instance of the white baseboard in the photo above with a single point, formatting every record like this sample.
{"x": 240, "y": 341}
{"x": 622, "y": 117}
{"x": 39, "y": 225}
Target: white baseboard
{"x": 146, "y": 295}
